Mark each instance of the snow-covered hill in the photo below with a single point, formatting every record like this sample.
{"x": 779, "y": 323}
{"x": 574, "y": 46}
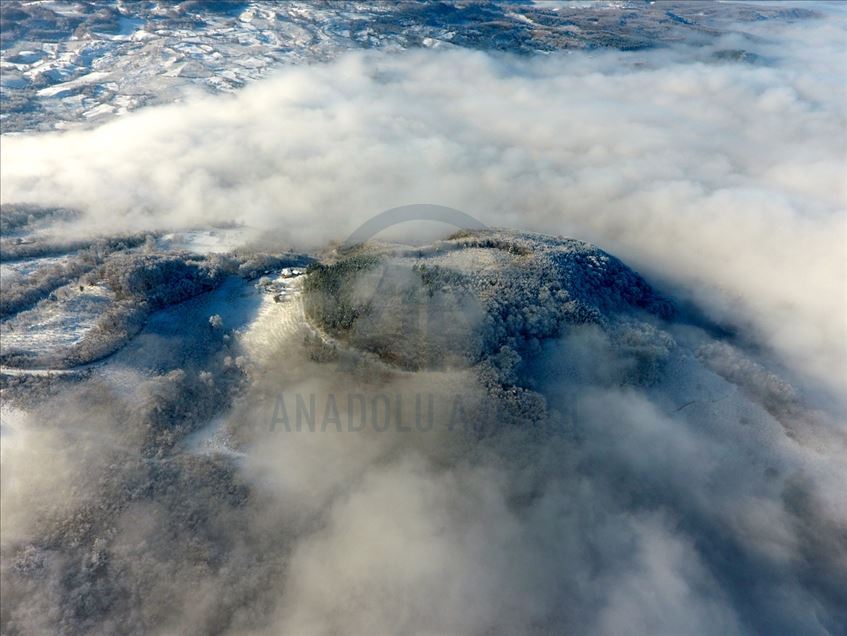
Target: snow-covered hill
{"x": 73, "y": 63}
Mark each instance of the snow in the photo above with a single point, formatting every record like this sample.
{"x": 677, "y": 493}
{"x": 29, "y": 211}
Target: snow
{"x": 73, "y": 85}
{"x": 97, "y": 111}
{"x": 280, "y": 316}
{"x": 213, "y": 439}
{"x": 64, "y": 8}
{"x": 179, "y": 335}
{"x": 8, "y": 80}
{"x": 206, "y": 241}
{"x": 56, "y": 325}
{"x": 17, "y": 271}
{"x": 128, "y": 26}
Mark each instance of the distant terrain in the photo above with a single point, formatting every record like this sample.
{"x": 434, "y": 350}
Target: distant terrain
{"x": 82, "y": 62}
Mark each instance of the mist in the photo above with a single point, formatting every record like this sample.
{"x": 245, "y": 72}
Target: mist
{"x": 704, "y": 497}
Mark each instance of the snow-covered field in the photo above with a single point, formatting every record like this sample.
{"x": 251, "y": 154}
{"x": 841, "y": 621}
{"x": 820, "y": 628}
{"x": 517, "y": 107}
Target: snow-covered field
{"x": 169, "y": 336}
{"x": 56, "y": 325}
{"x": 17, "y": 272}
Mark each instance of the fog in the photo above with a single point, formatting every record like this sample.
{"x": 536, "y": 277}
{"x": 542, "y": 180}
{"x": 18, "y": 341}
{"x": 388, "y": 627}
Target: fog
{"x": 707, "y": 501}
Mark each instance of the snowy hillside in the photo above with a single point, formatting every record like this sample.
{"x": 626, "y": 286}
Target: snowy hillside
{"x": 82, "y": 62}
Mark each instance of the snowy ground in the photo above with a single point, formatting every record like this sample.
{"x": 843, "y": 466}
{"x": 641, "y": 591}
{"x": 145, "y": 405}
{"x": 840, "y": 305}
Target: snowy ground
{"x": 279, "y": 318}
{"x": 59, "y": 324}
{"x": 19, "y": 271}
{"x": 203, "y": 241}
{"x": 177, "y": 335}
{"x": 269, "y": 309}
{"x": 270, "y": 306}
{"x": 68, "y": 64}
{"x": 257, "y": 315}
{"x": 280, "y": 315}
{"x": 59, "y": 306}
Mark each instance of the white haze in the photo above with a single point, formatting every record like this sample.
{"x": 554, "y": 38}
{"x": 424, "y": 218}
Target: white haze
{"x": 724, "y": 182}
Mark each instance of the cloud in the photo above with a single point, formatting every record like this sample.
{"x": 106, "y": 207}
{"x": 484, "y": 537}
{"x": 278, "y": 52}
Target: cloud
{"x": 683, "y": 505}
